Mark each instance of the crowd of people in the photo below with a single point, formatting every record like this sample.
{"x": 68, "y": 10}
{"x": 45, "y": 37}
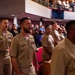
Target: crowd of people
{"x": 66, "y": 5}
{"x": 18, "y": 47}
{"x": 37, "y": 31}
{"x": 46, "y": 36}
{"x": 59, "y": 4}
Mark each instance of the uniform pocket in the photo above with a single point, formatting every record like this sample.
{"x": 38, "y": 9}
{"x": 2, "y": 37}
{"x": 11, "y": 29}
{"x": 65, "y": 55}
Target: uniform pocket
{"x": 1, "y": 40}
{"x": 23, "y": 46}
{"x": 71, "y": 65}
{"x": 2, "y": 44}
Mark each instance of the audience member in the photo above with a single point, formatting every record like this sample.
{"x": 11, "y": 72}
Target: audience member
{"x": 14, "y": 30}
{"x": 60, "y": 30}
{"x": 59, "y": 5}
{"x": 72, "y": 5}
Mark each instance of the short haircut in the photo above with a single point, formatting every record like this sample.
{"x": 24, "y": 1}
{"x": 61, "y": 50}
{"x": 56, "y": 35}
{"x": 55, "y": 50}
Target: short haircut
{"x": 3, "y": 19}
{"x": 47, "y": 26}
{"x": 53, "y": 22}
{"x": 23, "y": 19}
{"x": 69, "y": 25}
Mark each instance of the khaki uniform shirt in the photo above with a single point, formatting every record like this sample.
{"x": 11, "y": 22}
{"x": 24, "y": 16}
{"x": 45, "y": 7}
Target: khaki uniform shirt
{"x": 5, "y": 41}
{"x": 47, "y": 41}
{"x": 63, "y": 58}
{"x": 56, "y": 36}
{"x": 22, "y": 48}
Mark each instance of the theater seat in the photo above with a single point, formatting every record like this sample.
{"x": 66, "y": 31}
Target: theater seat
{"x": 39, "y": 55}
{"x": 46, "y": 67}
{"x": 39, "y": 59}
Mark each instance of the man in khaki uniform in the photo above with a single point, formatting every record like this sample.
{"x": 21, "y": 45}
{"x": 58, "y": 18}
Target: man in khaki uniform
{"x": 63, "y": 57}
{"x": 22, "y": 50}
{"x": 5, "y": 41}
{"x": 55, "y": 34}
{"x": 47, "y": 43}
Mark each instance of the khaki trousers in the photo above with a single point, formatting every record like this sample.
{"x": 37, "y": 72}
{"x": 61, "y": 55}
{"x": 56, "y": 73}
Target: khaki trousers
{"x": 5, "y": 66}
{"x": 27, "y": 71}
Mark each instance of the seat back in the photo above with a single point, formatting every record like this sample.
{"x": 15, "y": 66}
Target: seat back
{"x": 39, "y": 55}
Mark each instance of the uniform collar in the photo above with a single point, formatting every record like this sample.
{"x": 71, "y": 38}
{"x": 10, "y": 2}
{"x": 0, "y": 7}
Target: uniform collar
{"x": 23, "y": 37}
{"x": 70, "y": 44}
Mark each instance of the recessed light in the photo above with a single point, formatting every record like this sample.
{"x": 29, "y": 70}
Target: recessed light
{"x": 60, "y": 20}
{"x": 28, "y": 17}
{"x": 45, "y": 19}
{"x": 12, "y": 15}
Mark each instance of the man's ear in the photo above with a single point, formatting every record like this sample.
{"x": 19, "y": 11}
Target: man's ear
{"x": 70, "y": 31}
{"x": 21, "y": 25}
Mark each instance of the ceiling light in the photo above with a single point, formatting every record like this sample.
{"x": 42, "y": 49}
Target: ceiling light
{"x": 12, "y": 15}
